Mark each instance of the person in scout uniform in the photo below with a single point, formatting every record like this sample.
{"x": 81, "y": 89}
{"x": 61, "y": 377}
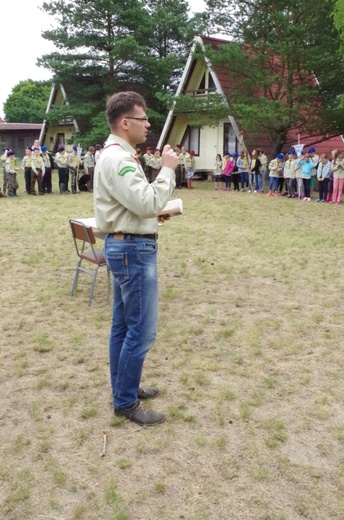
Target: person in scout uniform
{"x": 38, "y": 170}
{"x": 26, "y": 166}
{"x": 127, "y": 208}
{"x": 89, "y": 167}
{"x": 11, "y": 174}
{"x": 61, "y": 159}
{"x": 184, "y": 154}
{"x": 74, "y": 163}
{"x": 148, "y": 157}
{"x": 156, "y": 165}
{"x": 3, "y": 160}
{"x": 49, "y": 167}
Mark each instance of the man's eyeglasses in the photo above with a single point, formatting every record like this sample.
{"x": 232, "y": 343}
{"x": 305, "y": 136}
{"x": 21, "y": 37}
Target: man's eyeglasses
{"x": 138, "y": 118}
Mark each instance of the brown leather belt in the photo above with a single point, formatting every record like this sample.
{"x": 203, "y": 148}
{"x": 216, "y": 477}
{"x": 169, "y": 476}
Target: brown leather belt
{"x": 122, "y": 236}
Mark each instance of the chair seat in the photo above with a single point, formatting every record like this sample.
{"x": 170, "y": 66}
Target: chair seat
{"x": 89, "y": 256}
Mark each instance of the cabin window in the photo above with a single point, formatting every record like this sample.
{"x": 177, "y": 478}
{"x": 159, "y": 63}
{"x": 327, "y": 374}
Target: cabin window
{"x": 202, "y": 84}
{"x": 191, "y": 139}
{"x": 211, "y": 82}
{"x": 206, "y": 85}
{"x": 229, "y": 139}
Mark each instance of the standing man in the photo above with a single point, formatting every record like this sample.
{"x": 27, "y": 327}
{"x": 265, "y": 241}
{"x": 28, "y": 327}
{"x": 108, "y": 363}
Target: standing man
{"x": 127, "y": 209}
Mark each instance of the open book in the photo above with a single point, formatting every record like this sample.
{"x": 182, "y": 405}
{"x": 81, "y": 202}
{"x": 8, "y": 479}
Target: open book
{"x": 173, "y": 207}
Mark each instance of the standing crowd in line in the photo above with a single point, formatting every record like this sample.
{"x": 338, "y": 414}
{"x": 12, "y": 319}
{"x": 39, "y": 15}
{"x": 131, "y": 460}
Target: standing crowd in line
{"x": 289, "y": 175}
{"x": 151, "y": 164}
{"x": 38, "y": 164}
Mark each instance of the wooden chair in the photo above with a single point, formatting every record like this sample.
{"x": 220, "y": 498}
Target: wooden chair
{"x": 84, "y": 241}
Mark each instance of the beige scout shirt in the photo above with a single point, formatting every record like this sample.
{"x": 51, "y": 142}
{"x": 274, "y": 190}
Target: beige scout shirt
{"x": 37, "y": 162}
{"x": 124, "y": 201}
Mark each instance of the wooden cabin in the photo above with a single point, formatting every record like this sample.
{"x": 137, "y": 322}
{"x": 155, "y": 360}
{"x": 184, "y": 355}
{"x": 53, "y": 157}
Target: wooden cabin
{"x": 200, "y": 79}
{"x": 55, "y": 135}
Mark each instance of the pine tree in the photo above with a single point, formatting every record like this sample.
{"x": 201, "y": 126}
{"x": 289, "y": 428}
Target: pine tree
{"x": 104, "y": 46}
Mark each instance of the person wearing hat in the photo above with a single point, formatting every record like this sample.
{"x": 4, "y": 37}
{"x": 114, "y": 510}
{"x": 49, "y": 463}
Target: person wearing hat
{"x": 38, "y": 170}
{"x": 11, "y": 174}
{"x": 48, "y": 162}
{"x": 306, "y": 166}
{"x": 26, "y": 166}
{"x": 61, "y": 159}
{"x": 74, "y": 163}
{"x": 190, "y": 168}
{"x": 275, "y": 167}
{"x": 315, "y": 160}
{"x": 235, "y": 172}
{"x": 289, "y": 173}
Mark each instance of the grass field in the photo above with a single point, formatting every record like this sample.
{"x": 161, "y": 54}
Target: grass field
{"x": 249, "y": 360}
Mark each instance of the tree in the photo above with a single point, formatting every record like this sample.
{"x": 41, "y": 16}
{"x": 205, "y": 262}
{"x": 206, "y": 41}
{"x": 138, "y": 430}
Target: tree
{"x": 104, "y": 46}
{"x": 284, "y": 65}
{"x": 27, "y": 102}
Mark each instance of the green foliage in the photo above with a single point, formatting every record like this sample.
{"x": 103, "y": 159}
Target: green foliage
{"x": 338, "y": 17}
{"x": 279, "y": 49}
{"x": 106, "y": 46}
{"x": 27, "y": 102}
{"x": 202, "y": 111}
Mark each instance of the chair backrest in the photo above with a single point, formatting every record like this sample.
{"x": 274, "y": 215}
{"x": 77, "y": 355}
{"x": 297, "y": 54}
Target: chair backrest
{"x": 83, "y": 233}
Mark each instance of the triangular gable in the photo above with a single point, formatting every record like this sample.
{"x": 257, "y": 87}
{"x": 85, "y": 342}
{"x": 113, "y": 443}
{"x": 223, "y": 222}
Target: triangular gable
{"x": 257, "y": 140}
{"x": 184, "y": 82}
{"x": 56, "y": 92}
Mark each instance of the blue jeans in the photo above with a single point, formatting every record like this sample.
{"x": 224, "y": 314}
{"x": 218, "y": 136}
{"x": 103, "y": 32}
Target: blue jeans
{"x": 135, "y": 312}
{"x": 244, "y": 180}
{"x": 273, "y": 183}
{"x": 261, "y": 180}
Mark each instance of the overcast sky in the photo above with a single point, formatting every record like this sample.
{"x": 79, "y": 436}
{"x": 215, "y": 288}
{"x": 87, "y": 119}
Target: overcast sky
{"x": 21, "y": 43}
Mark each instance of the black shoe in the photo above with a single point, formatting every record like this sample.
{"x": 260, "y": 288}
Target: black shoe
{"x": 150, "y": 393}
{"x": 141, "y": 415}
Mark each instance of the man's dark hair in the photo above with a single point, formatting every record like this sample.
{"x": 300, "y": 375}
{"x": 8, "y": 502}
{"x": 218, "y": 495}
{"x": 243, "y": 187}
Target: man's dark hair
{"x": 121, "y": 104}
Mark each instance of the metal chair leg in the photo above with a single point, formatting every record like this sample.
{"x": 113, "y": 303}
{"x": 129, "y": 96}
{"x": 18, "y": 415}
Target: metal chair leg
{"x": 93, "y": 284}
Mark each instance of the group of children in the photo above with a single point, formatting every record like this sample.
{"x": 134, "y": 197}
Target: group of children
{"x": 289, "y": 175}
{"x": 38, "y": 165}
{"x": 151, "y": 164}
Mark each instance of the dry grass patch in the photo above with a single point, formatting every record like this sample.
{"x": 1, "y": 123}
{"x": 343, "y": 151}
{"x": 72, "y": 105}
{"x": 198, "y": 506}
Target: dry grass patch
{"x": 249, "y": 359}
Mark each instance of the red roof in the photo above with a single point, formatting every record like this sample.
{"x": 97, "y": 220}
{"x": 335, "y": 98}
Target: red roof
{"x": 262, "y": 140}
{"x": 19, "y": 126}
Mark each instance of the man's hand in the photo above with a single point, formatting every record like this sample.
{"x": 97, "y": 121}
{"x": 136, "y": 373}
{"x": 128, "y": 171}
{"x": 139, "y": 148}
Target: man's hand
{"x": 169, "y": 157}
{"x": 162, "y": 218}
